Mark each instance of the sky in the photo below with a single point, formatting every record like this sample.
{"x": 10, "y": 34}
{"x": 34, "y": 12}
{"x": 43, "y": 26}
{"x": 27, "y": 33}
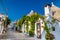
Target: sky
{"x": 18, "y": 8}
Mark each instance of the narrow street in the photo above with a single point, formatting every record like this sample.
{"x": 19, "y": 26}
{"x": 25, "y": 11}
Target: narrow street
{"x": 13, "y": 35}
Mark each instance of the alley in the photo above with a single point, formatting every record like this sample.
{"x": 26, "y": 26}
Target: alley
{"x": 13, "y": 35}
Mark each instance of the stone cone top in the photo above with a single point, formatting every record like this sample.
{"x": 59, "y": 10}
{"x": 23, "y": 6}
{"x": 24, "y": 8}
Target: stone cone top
{"x": 31, "y": 12}
{"x": 56, "y": 11}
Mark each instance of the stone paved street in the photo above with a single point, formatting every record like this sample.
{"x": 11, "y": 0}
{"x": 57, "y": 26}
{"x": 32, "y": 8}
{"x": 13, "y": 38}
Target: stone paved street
{"x": 13, "y": 35}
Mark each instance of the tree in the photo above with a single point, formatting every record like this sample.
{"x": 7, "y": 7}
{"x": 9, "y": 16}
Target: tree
{"x": 7, "y": 21}
{"x": 21, "y": 21}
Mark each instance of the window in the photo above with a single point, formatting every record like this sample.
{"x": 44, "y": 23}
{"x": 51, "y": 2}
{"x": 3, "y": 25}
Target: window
{"x": 53, "y": 13}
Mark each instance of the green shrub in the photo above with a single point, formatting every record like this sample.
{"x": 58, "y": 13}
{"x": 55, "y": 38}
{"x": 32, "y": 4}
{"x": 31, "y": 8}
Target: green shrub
{"x": 31, "y": 33}
{"x": 49, "y": 36}
{"x": 20, "y": 31}
{"x": 53, "y": 20}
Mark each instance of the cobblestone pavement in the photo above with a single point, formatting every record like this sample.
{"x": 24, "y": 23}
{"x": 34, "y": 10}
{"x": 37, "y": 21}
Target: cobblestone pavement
{"x": 12, "y": 35}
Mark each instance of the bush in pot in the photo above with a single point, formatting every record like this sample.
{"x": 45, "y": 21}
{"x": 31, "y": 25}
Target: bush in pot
{"x": 31, "y": 33}
{"x": 49, "y": 36}
{"x": 20, "y": 31}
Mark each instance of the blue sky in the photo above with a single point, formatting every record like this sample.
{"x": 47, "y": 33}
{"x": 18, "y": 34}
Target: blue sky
{"x": 18, "y": 8}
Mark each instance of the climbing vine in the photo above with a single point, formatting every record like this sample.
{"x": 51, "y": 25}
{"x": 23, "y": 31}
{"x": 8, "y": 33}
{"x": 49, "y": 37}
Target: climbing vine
{"x": 27, "y": 26}
{"x": 48, "y": 35}
{"x": 53, "y": 20}
{"x": 32, "y": 18}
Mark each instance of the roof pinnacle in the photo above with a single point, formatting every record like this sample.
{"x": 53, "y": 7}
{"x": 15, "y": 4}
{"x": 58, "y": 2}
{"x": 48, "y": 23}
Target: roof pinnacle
{"x": 52, "y": 4}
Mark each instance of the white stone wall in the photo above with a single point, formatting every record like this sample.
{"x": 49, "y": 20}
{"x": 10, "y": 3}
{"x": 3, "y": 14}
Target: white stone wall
{"x": 23, "y": 28}
{"x": 47, "y": 11}
{"x": 35, "y": 29}
{"x": 1, "y": 28}
{"x": 1, "y": 25}
{"x": 42, "y": 26}
{"x": 59, "y": 24}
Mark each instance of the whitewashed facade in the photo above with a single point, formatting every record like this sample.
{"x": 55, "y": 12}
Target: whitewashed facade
{"x": 2, "y": 18}
{"x": 51, "y": 11}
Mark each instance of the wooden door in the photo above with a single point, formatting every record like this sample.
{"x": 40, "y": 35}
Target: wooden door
{"x": 38, "y": 30}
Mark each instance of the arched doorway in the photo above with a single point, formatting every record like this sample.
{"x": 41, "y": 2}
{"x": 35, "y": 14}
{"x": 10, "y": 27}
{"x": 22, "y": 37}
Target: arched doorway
{"x": 38, "y": 30}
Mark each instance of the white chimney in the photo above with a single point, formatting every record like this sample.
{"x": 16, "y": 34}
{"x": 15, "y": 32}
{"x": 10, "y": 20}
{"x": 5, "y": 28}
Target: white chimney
{"x": 52, "y": 4}
{"x": 31, "y": 12}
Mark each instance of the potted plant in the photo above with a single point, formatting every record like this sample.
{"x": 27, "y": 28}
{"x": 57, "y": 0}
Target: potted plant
{"x": 49, "y": 36}
{"x": 31, "y": 33}
{"x": 20, "y": 31}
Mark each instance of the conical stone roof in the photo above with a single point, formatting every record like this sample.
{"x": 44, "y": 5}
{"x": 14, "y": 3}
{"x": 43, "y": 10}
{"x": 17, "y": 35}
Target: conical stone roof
{"x": 56, "y": 11}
